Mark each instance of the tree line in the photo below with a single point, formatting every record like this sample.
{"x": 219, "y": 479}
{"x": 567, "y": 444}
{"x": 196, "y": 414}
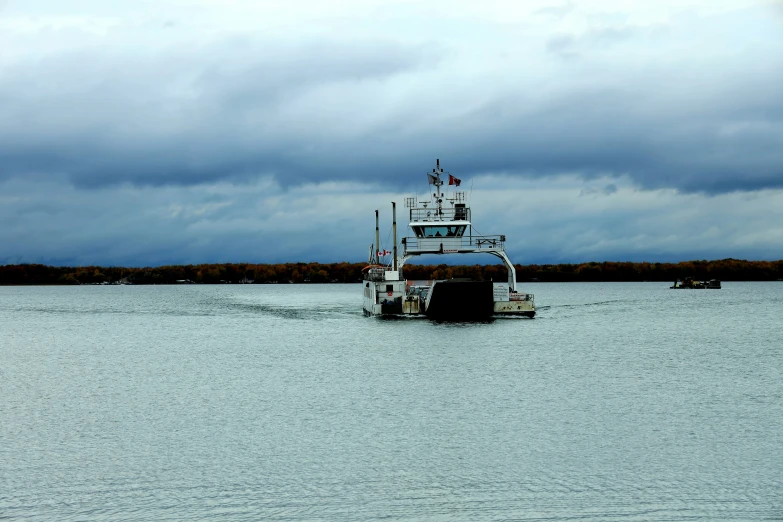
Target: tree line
{"x": 344, "y": 272}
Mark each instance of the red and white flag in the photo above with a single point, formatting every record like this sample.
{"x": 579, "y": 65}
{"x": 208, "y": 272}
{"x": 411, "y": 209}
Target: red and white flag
{"x": 454, "y": 181}
{"x": 382, "y": 253}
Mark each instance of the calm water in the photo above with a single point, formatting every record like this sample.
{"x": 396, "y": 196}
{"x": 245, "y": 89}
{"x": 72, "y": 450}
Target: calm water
{"x": 618, "y": 402}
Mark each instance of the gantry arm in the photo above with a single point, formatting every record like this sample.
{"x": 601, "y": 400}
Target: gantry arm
{"x": 512, "y": 273}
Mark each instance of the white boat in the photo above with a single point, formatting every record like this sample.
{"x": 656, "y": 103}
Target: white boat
{"x": 441, "y": 224}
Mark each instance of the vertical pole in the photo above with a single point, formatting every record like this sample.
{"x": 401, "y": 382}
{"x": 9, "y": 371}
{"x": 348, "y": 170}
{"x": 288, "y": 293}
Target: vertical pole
{"x": 394, "y": 228}
{"x": 377, "y": 239}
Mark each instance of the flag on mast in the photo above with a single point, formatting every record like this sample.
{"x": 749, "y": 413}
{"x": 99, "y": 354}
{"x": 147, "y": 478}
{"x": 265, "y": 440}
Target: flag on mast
{"x": 454, "y": 181}
{"x": 431, "y": 179}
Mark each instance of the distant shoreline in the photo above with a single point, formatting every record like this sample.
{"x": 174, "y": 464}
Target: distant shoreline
{"x": 344, "y": 272}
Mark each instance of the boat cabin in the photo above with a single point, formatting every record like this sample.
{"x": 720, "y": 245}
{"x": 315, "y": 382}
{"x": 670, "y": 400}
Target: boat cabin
{"x": 439, "y": 228}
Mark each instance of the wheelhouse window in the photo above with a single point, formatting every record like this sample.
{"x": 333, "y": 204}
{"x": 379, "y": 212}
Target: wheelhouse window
{"x": 440, "y": 231}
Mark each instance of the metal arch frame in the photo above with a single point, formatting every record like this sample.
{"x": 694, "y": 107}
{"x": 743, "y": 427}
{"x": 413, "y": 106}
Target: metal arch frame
{"x": 512, "y": 273}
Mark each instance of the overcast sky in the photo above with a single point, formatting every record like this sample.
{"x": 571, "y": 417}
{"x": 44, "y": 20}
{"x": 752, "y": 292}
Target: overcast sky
{"x": 173, "y": 131}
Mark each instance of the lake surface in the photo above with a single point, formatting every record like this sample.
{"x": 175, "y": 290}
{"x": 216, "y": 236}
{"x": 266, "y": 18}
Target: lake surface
{"x": 618, "y": 402}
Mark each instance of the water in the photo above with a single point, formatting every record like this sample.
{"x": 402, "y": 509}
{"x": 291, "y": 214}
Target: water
{"x": 618, "y": 402}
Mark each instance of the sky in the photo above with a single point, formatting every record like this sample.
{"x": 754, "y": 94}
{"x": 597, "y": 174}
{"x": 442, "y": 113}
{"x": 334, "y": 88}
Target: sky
{"x": 174, "y": 132}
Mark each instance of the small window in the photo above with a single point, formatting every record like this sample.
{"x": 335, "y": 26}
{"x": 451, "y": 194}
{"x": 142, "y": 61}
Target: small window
{"x": 390, "y": 288}
{"x": 455, "y": 231}
{"x": 367, "y": 285}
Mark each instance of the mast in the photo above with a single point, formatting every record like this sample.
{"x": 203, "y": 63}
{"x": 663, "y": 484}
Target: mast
{"x": 438, "y": 184}
{"x": 394, "y": 228}
{"x": 377, "y": 238}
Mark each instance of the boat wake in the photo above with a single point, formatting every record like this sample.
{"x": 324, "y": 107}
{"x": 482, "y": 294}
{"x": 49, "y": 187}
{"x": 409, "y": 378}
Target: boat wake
{"x": 293, "y": 312}
{"x": 581, "y": 305}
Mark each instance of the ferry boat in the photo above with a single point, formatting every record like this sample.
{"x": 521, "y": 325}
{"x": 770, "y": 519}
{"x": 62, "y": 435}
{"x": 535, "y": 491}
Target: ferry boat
{"x": 441, "y": 224}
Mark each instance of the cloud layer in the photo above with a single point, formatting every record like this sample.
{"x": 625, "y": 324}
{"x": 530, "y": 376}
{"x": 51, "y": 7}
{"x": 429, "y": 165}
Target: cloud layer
{"x": 557, "y": 220}
{"x": 690, "y": 101}
{"x": 167, "y": 131}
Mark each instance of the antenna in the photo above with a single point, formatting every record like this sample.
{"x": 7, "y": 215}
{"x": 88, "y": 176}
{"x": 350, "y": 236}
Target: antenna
{"x": 377, "y": 239}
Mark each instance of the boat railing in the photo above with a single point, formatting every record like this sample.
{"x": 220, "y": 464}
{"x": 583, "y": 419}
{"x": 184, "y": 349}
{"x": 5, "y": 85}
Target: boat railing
{"x": 448, "y": 244}
{"x": 375, "y": 273}
{"x": 518, "y": 296}
{"x": 443, "y": 214}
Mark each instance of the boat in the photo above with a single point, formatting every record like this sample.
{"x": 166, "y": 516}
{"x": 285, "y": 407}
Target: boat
{"x": 441, "y": 224}
{"x": 695, "y": 284}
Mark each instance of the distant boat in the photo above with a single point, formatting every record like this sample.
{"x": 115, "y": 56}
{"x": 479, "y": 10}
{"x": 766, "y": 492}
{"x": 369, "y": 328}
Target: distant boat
{"x": 691, "y": 283}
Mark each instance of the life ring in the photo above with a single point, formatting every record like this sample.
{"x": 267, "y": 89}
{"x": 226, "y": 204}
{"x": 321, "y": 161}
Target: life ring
{"x": 390, "y": 294}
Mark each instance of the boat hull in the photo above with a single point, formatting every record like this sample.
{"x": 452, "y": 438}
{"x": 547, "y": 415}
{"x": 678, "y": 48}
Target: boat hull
{"x": 450, "y": 300}
{"x": 460, "y": 301}
{"x": 383, "y": 295}
{"x": 515, "y": 308}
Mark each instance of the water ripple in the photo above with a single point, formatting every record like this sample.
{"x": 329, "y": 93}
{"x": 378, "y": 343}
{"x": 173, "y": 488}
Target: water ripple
{"x": 618, "y": 402}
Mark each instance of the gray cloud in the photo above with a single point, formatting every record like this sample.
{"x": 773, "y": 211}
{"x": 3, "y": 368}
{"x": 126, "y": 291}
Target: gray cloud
{"x": 242, "y": 107}
{"x": 561, "y": 43}
{"x": 563, "y": 219}
{"x": 557, "y": 12}
{"x": 164, "y": 138}
{"x": 179, "y": 120}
